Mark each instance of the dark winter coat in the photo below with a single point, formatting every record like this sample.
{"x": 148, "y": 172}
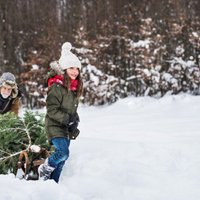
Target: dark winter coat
{"x": 10, "y": 104}
{"x": 60, "y": 103}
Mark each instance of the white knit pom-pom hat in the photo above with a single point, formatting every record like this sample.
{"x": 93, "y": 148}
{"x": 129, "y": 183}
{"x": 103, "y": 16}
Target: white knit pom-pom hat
{"x": 68, "y": 59}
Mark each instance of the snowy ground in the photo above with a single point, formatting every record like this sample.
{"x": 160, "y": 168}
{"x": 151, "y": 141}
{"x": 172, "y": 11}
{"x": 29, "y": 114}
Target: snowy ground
{"x": 138, "y": 148}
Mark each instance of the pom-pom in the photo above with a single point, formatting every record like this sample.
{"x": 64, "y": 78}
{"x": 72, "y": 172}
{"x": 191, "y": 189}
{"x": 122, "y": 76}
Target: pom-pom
{"x": 67, "y": 47}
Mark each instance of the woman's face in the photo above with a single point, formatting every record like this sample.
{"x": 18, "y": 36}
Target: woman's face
{"x": 5, "y": 91}
{"x": 72, "y": 72}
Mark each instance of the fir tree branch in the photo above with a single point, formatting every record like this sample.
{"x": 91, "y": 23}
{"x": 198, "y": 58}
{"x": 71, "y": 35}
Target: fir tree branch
{"x": 27, "y": 131}
{"x": 4, "y": 152}
{"x": 12, "y": 129}
{"x": 12, "y": 155}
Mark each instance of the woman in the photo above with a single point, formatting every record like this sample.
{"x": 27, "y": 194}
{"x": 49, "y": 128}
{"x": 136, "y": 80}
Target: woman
{"x": 61, "y": 121}
{"x": 9, "y": 94}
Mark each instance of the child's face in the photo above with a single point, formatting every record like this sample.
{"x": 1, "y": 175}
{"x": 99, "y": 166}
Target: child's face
{"x": 6, "y": 91}
{"x": 72, "y": 72}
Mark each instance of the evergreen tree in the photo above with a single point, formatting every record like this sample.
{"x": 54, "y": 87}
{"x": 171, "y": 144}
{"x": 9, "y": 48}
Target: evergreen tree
{"x": 18, "y": 134}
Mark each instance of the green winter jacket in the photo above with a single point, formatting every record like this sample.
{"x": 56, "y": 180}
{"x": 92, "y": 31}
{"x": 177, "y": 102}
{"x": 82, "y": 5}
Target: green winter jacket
{"x": 60, "y": 104}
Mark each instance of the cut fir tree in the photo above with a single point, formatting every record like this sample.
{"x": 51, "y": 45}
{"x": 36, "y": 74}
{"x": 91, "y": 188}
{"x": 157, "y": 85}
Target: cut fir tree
{"x": 19, "y": 134}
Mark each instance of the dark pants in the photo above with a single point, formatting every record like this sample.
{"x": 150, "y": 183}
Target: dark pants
{"x": 58, "y": 158}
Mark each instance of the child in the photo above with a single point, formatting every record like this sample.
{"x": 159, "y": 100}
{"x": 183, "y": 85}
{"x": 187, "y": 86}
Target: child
{"x": 61, "y": 121}
{"x": 9, "y": 94}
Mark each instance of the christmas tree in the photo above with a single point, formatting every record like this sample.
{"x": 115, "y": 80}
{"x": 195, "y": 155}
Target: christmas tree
{"x": 18, "y": 134}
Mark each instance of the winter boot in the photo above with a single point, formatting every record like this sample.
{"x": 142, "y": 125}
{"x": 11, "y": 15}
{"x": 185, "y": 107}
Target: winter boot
{"x": 45, "y": 170}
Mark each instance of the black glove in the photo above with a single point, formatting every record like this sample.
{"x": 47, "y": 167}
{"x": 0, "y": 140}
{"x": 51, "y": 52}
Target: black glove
{"x": 73, "y": 126}
{"x": 74, "y": 134}
{"x": 73, "y": 122}
{"x": 74, "y": 118}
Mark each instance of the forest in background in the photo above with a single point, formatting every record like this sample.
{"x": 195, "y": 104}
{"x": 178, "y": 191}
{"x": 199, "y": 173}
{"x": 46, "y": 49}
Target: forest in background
{"x": 129, "y": 47}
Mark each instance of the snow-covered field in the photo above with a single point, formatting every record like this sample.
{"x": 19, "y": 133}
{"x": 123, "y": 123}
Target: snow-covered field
{"x": 137, "y": 148}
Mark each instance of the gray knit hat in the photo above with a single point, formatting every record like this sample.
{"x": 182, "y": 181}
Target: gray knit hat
{"x": 8, "y": 78}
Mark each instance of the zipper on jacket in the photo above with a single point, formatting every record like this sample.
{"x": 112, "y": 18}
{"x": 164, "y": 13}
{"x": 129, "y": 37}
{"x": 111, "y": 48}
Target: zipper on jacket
{"x": 6, "y": 106}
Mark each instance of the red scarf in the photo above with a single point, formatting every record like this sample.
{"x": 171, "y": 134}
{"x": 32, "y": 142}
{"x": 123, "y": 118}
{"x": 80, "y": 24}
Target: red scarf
{"x": 56, "y": 79}
{"x": 73, "y": 85}
{"x": 59, "y": 80}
